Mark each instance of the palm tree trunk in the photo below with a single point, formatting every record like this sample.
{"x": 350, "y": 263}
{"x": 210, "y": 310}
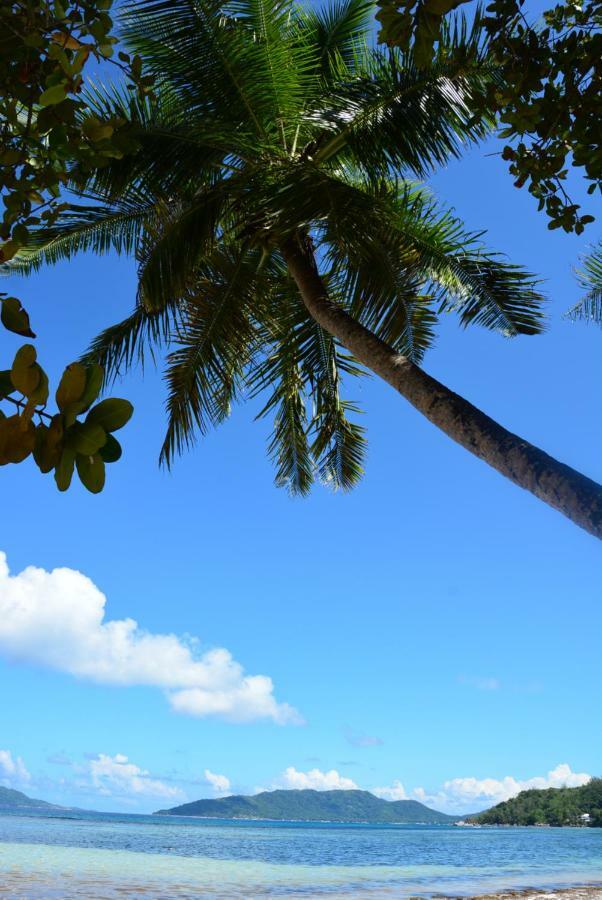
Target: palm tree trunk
{"x": 576, "y": 496}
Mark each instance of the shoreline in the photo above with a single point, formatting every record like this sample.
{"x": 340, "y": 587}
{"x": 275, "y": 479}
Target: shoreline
{"x": 32, "y": 885}
{"x": 578, "y": 892}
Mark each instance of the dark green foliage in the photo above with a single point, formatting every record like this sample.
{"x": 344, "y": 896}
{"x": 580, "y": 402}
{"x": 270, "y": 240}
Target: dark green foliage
{"x": 271, "y": 121}
{"x": 313, "y": 806}
{"x": 45, "y": 124}
{"x": 548, "y": 93}
{"x": 553, "y": 806}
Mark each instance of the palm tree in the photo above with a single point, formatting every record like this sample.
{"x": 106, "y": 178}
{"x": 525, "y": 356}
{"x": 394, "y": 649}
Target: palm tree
{"x": 283, "y": 239}
{"x": 589, "y": 307}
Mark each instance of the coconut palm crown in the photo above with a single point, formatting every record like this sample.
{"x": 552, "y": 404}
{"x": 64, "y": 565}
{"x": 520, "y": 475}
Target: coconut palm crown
{"x": 278, "y": 129}
{"x": 272, "y": 121}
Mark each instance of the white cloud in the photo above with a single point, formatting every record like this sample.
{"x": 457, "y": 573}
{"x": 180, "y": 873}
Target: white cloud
{"x": 314, "y": 779}
{"x": 116, "y": 775}
{"x": 395, "y": 791}
{"x": 472, "y": 794}
{"x": 12, "y": 770}
{"x": 57, "y": 619}
{"x": 219, "y": 783}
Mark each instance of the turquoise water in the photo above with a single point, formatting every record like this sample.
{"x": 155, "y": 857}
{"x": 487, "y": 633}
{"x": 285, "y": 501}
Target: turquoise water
{"x": 96, "y": 855}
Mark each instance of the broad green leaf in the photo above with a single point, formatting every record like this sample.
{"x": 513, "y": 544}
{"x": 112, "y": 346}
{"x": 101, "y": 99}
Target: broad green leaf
{"x": 48, "y": 445}
{"x": 94, "y": 377}
{"x": 111, "y": 451}
{"x": 71, "y": 386}
{"x": 6, "y": 385}
{"x": 25, "y": 373}
{"x": 87, "y": 438}
{"x": 53, "y": 95}
{"x": 39, "y": 396}
{"x": 64, "y": 470}
{"x": 8, "y": 250}
{"x": 91, "y": 471}
{"x": 112, "y": 414}
{"x": 14, "y": 317}
{"x": 17, "y": 438}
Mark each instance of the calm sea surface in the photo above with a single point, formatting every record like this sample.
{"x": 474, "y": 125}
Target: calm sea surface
{"x": 97, "y": 855}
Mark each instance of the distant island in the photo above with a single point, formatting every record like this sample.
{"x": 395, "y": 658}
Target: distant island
{"x": 314, "y": 806}
{"x": 15, "y": 799}
{"x": 552, "y": 806}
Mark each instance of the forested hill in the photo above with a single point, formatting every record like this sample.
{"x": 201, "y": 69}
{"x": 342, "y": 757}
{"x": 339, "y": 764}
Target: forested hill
{"x": 553, "y": 806}
{"x": 9, "y": 797}
{"x": 313, "y": 806}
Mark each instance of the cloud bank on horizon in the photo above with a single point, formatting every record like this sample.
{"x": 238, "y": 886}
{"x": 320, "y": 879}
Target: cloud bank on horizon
{"x": 57, "y": 619}
{"x": 472, "y": 794}
{"x": 118, "y": 777}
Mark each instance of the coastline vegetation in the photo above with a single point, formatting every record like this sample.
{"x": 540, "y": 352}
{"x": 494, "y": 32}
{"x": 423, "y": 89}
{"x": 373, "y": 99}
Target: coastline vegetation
{"x": 552, "y": 806}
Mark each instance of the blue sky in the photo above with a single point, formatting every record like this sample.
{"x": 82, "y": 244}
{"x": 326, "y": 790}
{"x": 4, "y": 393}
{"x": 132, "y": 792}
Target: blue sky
{"x": 437, "y": 628}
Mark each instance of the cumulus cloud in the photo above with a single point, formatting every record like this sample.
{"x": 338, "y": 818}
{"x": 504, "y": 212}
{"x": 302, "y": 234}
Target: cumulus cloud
{"x": 315, "y": 779}
{"x": 57, "y": 619}
{"x": 219, "y": 783}
{"x": 395, "y": 791}
{"x": 117, "y": 776}
{"x": 471, "y": 794}
{"x": 13, "y": 772}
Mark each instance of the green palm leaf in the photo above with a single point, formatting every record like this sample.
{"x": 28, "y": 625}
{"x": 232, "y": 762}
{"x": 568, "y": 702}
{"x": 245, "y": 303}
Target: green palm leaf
{"x": 589, "y": 308}
{"x": 215, "y": 341}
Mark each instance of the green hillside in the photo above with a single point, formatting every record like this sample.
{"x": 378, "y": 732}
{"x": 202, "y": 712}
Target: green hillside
{"x": 9, "y": 797}
{"x": 553, "y": 806}
{"x": 313, "y": 806}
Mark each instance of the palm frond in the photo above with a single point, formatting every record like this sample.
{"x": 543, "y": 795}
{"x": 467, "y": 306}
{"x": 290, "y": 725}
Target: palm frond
{"x": 279, "y": 374}
{"x": 339, "y": 444}
{"x": 80, "y": 228}
{"x": 215, "y": 340}
{"x": 184, "y": 237}
{"x": 589, "y": 307}
{"x": 165, "y": 151}
{"x": 394, "y": 115}
{"x": 337, "y": 30}
{"x": 479, "y": 285}
{"x": 130, "y": 341}
{"x": 305, "y": 365}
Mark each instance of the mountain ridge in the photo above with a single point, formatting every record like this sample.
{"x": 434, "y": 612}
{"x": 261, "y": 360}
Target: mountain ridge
{"x": 16, "y": 799}
{"x": 312, "y": 806}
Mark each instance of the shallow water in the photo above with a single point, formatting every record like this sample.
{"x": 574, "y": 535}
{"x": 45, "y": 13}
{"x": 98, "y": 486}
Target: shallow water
{"x": 110, "y": 856}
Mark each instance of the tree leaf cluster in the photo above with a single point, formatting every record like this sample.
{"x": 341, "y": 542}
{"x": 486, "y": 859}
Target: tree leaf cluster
{"x": 44, "y": 123}
{"x": 548, "y": 95}
{"x": 62, "y": 442}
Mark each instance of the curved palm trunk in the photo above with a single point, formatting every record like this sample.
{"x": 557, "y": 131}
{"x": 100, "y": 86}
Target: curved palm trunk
{"x": 576, "y": 496}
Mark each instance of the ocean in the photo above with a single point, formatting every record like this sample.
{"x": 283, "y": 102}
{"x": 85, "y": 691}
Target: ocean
{"x": 100, "y": 855}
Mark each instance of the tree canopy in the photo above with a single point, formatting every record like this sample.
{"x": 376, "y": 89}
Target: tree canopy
{"x": 272, "y": 197}
{"x": 269, "y": 118}
{"x": 548, "y": 94}
{"x": 551, "y": 806}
